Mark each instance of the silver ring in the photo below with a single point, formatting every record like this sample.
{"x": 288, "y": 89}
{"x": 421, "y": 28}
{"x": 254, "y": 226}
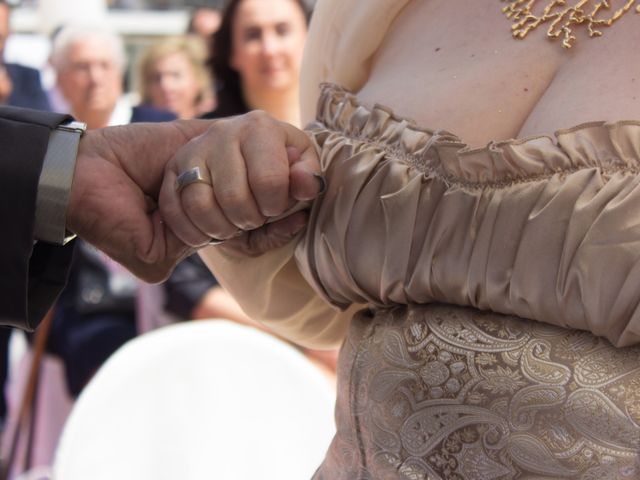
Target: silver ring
{"x": 186, "y": 178}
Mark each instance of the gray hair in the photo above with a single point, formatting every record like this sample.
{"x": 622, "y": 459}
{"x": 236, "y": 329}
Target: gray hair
{"x": 73, "y": 34}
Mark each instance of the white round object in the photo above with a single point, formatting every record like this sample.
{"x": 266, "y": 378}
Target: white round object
{"x": 206, "y": 399}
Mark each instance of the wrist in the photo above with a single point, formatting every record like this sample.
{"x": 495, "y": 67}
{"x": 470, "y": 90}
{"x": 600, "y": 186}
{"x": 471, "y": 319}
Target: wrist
{"x": 91, "y": 152}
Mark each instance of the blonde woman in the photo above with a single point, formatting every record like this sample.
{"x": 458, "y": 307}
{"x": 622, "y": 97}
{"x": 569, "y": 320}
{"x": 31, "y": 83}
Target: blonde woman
{"x": 174, "y": 76}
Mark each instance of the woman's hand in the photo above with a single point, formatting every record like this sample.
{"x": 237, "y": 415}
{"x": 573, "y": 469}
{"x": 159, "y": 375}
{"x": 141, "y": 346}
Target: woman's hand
{"x": 252, "y": 170}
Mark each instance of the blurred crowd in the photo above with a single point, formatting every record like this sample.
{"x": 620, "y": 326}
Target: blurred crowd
{"x": 231, "y": 59}
{"x": 144, "y": 4}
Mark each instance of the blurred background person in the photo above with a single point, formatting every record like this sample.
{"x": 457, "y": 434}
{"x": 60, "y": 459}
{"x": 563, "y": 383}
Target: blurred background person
{"x": 96, "y": 313}
{"x": 89, "y": 63}
{"x": 174, "y": 76}
{"x": 204, "y": 21}
{"x": 101, "y": 306}
{"x": 20, "y": 86}
{"x": 257, "y": 53}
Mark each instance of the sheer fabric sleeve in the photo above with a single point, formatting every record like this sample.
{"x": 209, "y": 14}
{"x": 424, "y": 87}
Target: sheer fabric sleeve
{"x": 543, "y": 228}
{"x": 271, "y": 290}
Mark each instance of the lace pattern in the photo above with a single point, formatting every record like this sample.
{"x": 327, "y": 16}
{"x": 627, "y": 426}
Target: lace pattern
{"x": 449, "y": 393}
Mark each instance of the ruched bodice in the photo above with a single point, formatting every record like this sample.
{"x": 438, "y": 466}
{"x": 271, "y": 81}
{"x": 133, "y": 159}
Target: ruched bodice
{"x": 543, "y": 228}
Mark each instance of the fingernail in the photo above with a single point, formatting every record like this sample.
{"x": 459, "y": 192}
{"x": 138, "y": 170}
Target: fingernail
{"x": 323, "y": 183}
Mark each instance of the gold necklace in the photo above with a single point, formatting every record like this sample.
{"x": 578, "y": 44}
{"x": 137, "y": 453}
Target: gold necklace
{"x": 562, "y": 19}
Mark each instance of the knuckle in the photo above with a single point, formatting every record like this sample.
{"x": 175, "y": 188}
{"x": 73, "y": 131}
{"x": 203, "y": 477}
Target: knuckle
{"x": 258, "y": 116}
{"x": 223, "y": 128}
{"x": 239, "y": 209}
{"x": 195, "y": 204}
{"x": 270, "y": 183}
{"x": 220, "y": 125}
{"x": 231, "y": 198}
{"x": 257, "y": 119}
{"x": 271, "y": 192}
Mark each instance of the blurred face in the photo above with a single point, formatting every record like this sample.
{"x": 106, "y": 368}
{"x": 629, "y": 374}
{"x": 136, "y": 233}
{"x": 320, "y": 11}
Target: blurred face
{"x": 90, "y": 80}
{"x": 173, "y": 85}
{"x": 4, "y": 26}
{"x": 268, "y": 40}
{"x": 206, "y": 21}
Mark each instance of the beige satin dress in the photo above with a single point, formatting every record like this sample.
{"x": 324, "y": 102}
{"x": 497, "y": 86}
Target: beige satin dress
{"x": 496, "y": 291}
{"x": 412, "y": 224}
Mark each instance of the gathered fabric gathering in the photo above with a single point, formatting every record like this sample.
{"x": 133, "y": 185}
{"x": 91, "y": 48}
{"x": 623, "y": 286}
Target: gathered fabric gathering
{"x": 329, "y": 240}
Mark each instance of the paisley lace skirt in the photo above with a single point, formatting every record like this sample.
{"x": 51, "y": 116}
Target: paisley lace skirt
{"x": 442, "y": 392}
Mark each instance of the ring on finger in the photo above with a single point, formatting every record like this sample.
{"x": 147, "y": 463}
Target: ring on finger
{"x": 188, "y": 177}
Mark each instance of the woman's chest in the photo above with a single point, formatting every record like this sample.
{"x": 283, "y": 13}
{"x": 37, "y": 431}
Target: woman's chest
{"x": 454, "y": 65}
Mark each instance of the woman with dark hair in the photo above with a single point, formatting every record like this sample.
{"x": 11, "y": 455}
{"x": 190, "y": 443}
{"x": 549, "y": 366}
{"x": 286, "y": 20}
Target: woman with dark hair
{"x": 257, "y": 53}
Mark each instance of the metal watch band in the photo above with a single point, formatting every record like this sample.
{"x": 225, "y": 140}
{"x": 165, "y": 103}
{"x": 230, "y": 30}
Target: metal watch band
{"x": 55, "y": 183}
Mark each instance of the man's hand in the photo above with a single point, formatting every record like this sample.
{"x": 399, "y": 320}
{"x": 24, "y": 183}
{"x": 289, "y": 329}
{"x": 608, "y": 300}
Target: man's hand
{"x": 113, "y": 200}
{"x": 254, "y": 169}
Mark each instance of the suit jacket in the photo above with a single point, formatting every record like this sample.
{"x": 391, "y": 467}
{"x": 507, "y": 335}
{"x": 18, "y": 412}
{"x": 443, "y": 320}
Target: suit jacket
{"x": 31, "y": 274}
{"x": 27, "y": 88}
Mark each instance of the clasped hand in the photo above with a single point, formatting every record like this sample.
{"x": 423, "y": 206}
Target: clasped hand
{"x": 253, "y": 168}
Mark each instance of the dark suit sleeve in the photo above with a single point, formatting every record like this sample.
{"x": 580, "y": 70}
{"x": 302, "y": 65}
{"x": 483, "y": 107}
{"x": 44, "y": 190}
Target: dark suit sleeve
{"x": 31, "y": 275}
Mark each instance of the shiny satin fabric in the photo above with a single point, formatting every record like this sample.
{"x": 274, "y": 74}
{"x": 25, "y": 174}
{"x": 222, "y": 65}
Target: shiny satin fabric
{"x": 542, "y": 228}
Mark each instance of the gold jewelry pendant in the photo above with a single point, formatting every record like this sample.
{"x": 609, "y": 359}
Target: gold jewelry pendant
{"x": 562, "y": 18}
